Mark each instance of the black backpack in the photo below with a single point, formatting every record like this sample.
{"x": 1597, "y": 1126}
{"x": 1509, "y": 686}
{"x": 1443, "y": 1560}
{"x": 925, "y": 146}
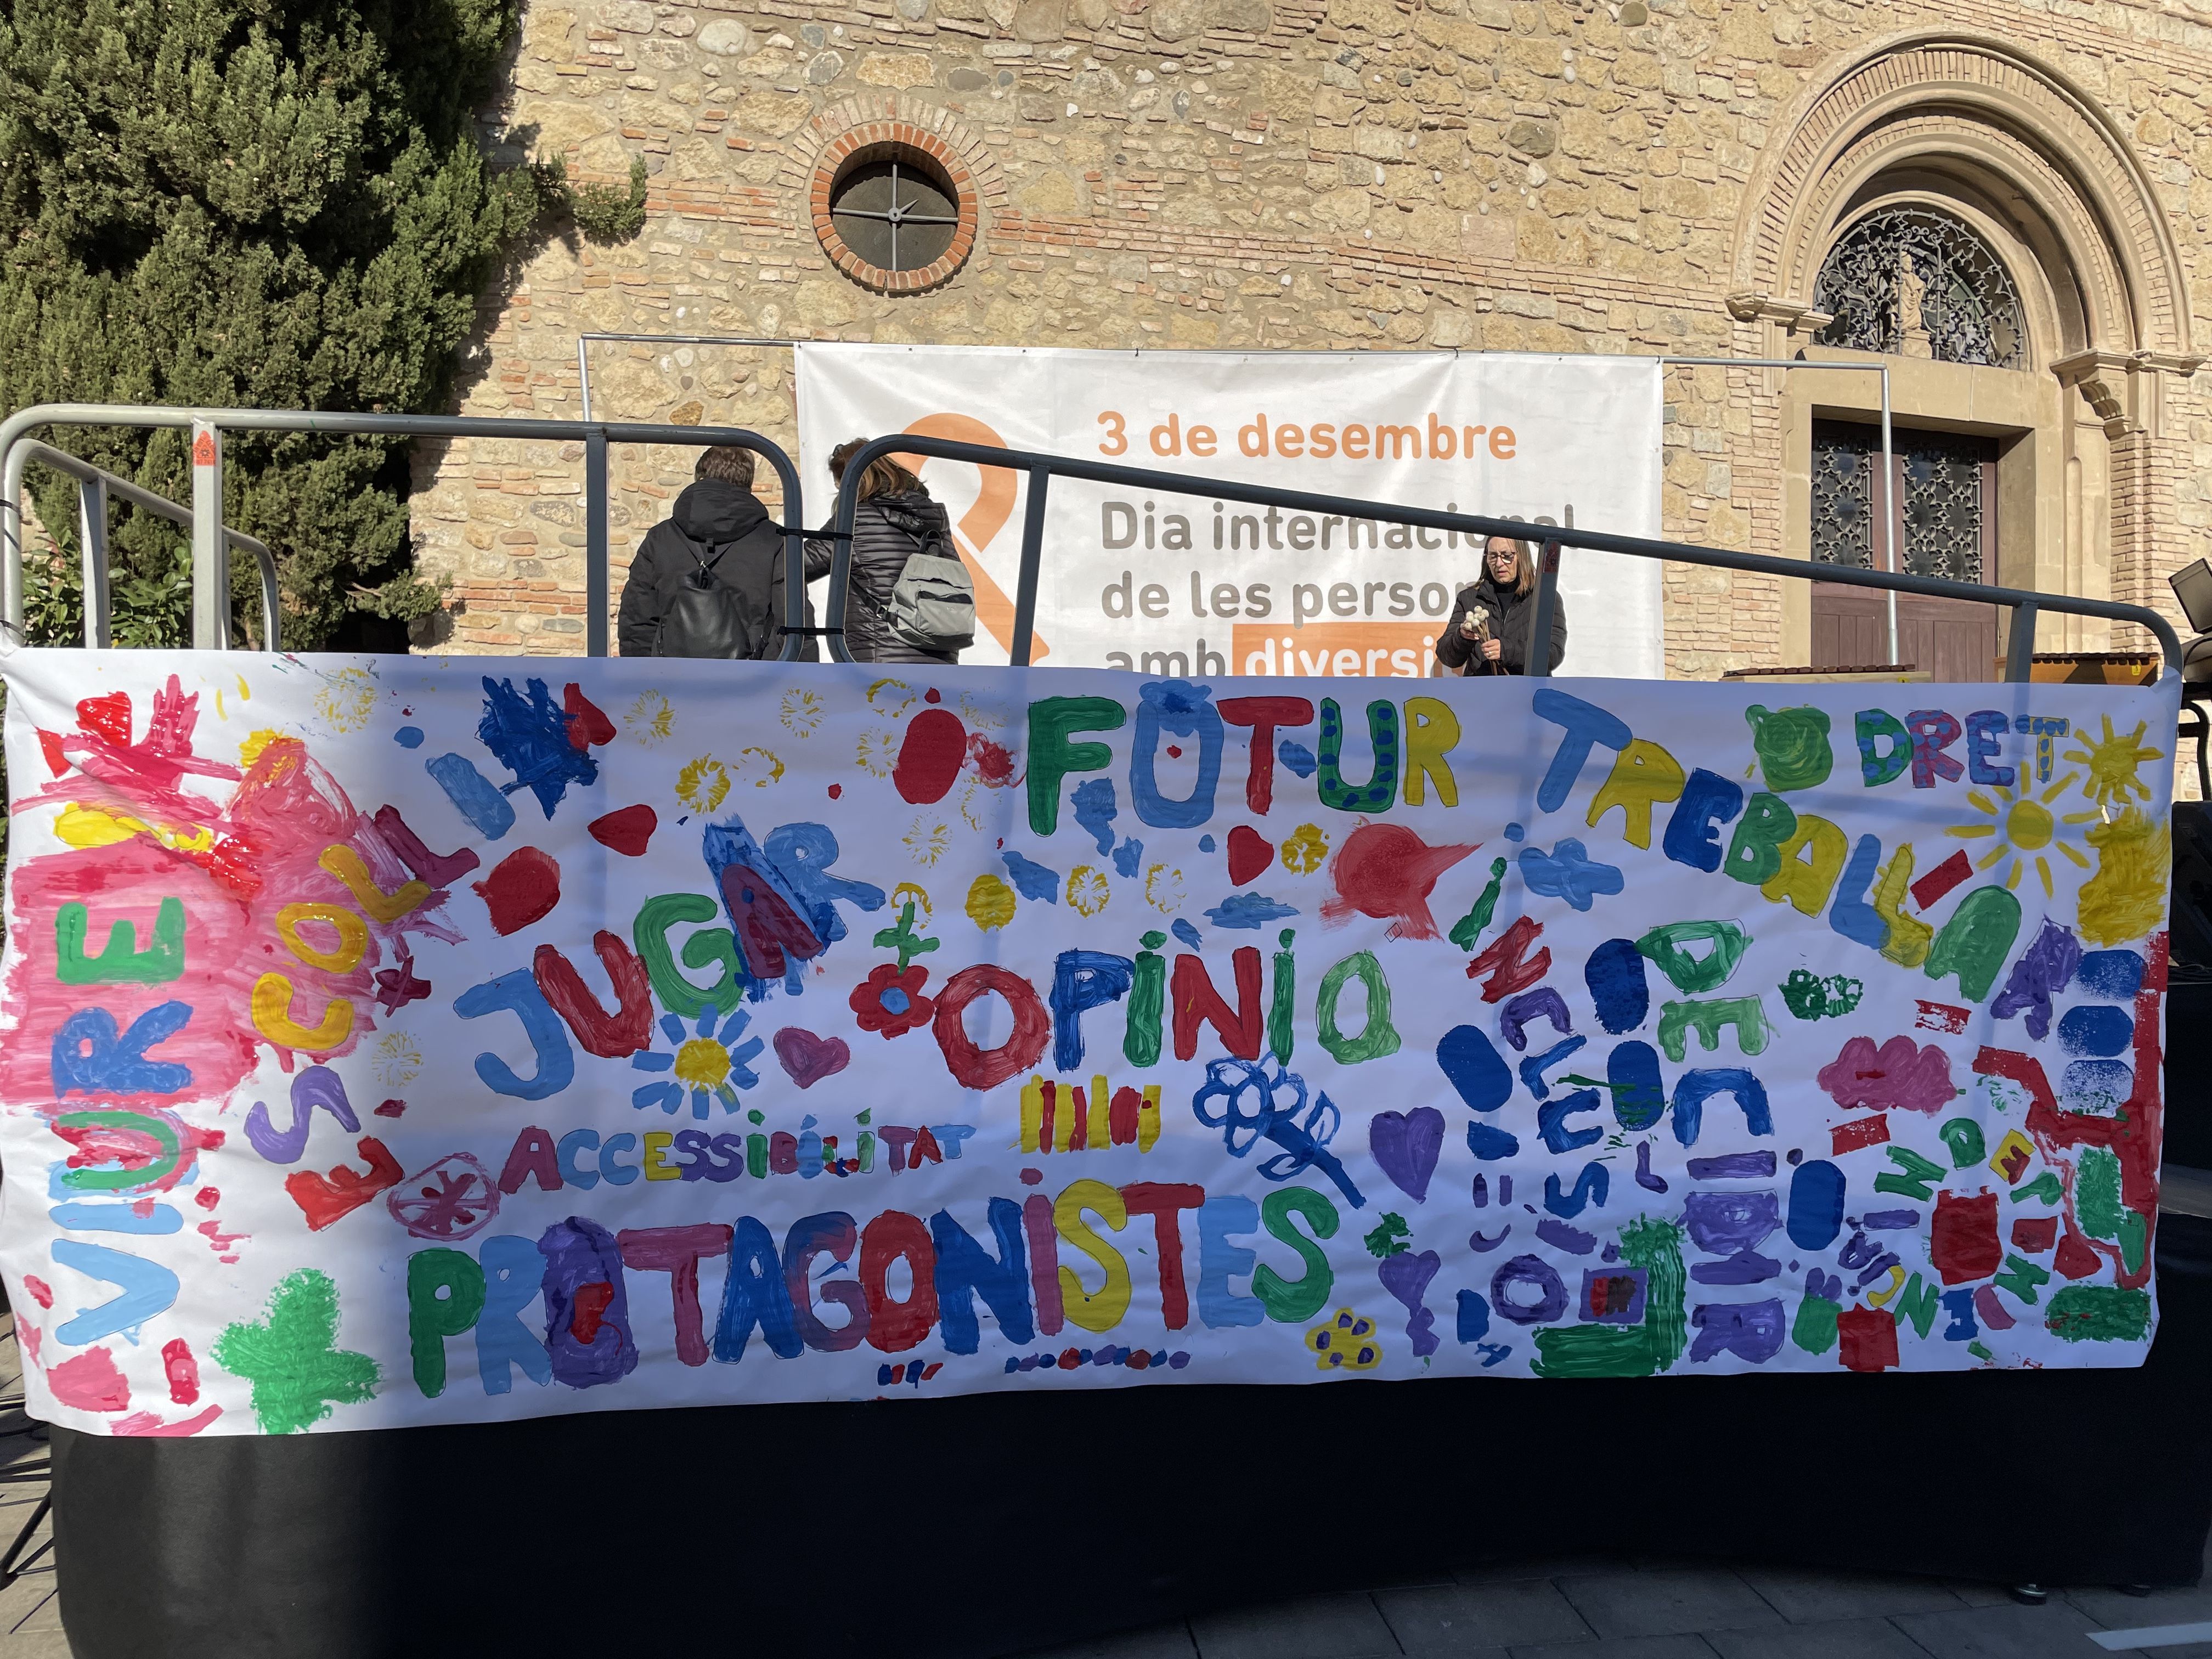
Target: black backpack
{"x": 705, "y": 618}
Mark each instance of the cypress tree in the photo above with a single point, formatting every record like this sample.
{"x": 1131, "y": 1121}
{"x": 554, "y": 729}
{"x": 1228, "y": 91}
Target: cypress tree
{"x": 267, "y": 203}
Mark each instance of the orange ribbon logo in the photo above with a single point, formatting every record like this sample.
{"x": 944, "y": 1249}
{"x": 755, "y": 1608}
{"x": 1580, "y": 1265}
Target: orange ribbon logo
{"x": 981, "y": 524}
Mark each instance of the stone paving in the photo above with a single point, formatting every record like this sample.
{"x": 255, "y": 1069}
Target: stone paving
{"x": 1601, "y": 1607}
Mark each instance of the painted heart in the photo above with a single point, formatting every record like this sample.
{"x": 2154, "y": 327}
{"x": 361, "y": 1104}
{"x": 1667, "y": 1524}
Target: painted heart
{"x": 1251, "y": 854}
{"x": 627, "y": 831}
{"x": 1406, "y": 1277}
{"x": 1405, "y": 1146}
{"x": 809, "y": 1058}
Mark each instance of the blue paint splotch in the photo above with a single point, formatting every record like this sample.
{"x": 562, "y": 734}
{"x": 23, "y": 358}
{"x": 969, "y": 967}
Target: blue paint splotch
{"x": 1129, "y": 856}
{"x": 545, "y": 745}
{"x": 472, "y": 794}
{"x": 1568, "y": 872}
{"x": 408, "y": 737}
{"x": 2094, "y": 1029}
{"x": 1095, "y": 810}
{"x": 1183, "y": 930}
{"x": 1031, "y": 879}
{"x": 1249, "y": 911}
{"x": 1618, "y": 991}
{"x": 2115, "y": 974}
{"x": 1297, "y": 756}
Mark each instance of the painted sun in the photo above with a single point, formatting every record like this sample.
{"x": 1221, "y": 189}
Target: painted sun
{"x": 2021, "y": 827}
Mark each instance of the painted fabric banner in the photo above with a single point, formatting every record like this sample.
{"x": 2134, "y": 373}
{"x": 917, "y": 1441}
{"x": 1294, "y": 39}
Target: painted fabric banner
{"x": 394, "y": 1040}
{"x": 1191, "y": 585}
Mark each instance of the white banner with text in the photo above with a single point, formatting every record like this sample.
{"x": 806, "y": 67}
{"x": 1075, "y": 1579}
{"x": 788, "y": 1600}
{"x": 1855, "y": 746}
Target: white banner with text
{"x": 1192, "y": 584}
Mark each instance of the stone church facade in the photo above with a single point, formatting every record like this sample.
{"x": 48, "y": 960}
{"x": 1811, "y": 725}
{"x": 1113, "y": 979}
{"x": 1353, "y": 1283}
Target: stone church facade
{"x": 2006, "y": 203}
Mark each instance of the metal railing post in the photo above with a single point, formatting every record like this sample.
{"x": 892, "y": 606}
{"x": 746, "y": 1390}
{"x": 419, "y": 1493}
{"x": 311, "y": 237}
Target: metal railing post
{"x": 595, "y": 542}
{"x": 2020, "y": 645}
{"x": 92, "y": 538}
{"x": 1025, "y": 588}
{"x": 1889, "y": 511}
{"x": 211, "y": 551}
{"x": 1548, "y": 606}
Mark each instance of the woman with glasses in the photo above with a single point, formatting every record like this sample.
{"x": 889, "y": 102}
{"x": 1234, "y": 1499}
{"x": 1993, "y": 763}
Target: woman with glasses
{"x": 1489, "y": 629}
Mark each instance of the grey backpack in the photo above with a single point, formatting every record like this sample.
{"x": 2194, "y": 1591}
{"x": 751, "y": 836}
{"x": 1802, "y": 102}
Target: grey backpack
{"x": 932, "y": 605}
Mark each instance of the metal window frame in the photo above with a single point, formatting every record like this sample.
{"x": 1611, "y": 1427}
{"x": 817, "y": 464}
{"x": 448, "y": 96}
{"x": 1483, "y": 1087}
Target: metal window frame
{"x": 2025, "y": 603}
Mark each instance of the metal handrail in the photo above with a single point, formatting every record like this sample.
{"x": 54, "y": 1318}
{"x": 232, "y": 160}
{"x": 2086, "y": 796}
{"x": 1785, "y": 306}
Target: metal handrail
{"x": 95, "y": 486}
{"x": 595, "y": 436}
{"x": 2025, "y": 603}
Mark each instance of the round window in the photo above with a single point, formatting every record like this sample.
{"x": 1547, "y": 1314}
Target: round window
{"x": 897, "y": 215}
{"x": 892, "y": 217}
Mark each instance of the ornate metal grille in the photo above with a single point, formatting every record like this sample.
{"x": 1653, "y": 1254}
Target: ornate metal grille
{"x": 1940, "y": 497}
{"x": 1915, "y": 281}
{"x": 1843, "y": 465}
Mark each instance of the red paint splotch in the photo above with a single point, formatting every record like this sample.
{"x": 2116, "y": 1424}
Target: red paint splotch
{"x": 993, "y": 764}
{"x": 587, "y": 724}
{"x": 1930, "y": 887}
{"x": 1508, "y": 962}
{"x": 90, "y": 1382}
{"x": 2133, "y": 1135}
{"x": 328, "y": 1196}
{"x": 234, "y": 849}
{"x": 147, "y": 1425}
{"x": 627, "y": 831}
{"x": 589, "y": 1309}
{"x": 182, "y": 1371}
{"x": 929, "y": 756}
{"x": 522, "y": 888}
{"x": 1942, "y": 1017}
{"x": 135, "y": 1148}
{"x": 2033, "y": 1235}
{"x": 1868, "y": 1338}
{"x": 1858, "y": 1134}
{"x": 1962, "y": 1241}
{"x": 219, "y": 1241}
{"x": 41, "y": 1292}
{"x": 1386, "y": 871}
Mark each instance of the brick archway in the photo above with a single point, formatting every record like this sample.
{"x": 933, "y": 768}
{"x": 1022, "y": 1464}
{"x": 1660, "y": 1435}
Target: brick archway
{"x": 863, "y": 129}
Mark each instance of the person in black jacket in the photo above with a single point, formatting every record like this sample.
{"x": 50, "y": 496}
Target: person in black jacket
{"x": 893, "y": 520}
{"x": 1488, "y": 633}
{"x": 719, "y": 524}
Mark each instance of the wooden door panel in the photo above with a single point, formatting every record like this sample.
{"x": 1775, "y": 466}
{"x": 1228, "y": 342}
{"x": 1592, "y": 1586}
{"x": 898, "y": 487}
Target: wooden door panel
{"x": 1947, "y": 638}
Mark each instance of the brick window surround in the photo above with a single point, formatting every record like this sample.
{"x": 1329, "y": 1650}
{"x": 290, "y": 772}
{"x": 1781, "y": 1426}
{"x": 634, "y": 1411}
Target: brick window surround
{"x": 893, "y": 141}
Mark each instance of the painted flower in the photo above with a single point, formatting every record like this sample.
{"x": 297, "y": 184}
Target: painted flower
{"x": 889, "y": 1000}
{"x": 709, "y": 1065}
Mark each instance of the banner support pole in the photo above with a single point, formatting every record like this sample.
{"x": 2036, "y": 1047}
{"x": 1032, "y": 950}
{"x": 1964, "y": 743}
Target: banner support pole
{"x": 1025, "y": 590}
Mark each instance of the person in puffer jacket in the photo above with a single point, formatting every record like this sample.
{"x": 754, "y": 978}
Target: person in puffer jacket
{"x": 880, "y": 550}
